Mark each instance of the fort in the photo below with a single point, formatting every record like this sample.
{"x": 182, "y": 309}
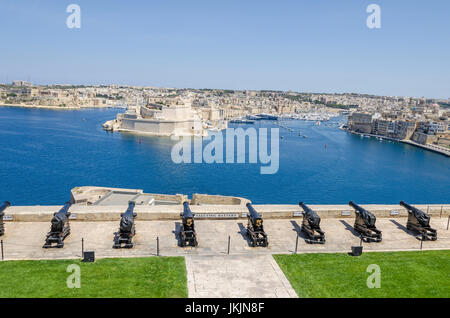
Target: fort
{"x": 161, "y": 120}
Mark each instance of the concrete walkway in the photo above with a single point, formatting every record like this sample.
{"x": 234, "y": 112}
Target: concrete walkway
{"x": 233, "y": 276}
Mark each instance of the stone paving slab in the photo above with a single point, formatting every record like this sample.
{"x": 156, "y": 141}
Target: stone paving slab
{"x": 234, "y": 276}
{"x": 24, "y": 240}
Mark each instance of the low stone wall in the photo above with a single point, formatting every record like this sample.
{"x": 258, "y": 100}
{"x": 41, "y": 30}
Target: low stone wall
{"x": 89, "y": 195}
{"x": 172, "y": 212}
{"x": 199, "y": 199}
{"x": 345, "y": 211}
{"x": 179, "y": 198}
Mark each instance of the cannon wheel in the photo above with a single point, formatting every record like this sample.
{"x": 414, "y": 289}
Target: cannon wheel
{"x": 253, "y": 240}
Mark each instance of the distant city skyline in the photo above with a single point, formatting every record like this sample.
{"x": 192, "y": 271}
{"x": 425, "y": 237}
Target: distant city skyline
{"x": 303, "y": 46}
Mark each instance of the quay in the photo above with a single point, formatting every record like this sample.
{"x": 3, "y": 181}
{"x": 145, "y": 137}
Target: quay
{"x": 434, "y": 148}
{"x": 430, "y": 147}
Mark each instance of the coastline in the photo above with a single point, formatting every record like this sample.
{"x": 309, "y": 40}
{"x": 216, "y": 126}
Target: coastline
{"x": 57, "y": 107}
{"x": 432, "y": 148}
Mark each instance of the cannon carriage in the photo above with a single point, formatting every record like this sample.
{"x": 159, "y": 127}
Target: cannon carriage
{"x": 365, "y": 224}
{"x": 127, "y": 229}
{"x": 188, "y": 235}
{"x": 3, "y": 207}
{"x": 255, "y": 228}
{"x": 419, "y": 222}
{"x": 311, "y": 225}
{"x": 60, "y": 227}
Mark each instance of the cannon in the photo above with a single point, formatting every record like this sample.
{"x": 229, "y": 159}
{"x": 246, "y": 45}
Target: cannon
{"x": 311, "y": 225}
{"x": 3, "y": 207}
{"x": 255, "y": 229}
{"x": 365, "y": 224}
{"x": 123, "y": 238}
{"x": 187, "y": 231}
{"x": 60, "y": 227}
{"x": 419, "y": 222}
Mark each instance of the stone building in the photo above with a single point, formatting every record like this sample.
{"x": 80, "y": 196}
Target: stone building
{"x": 360, "y": 122}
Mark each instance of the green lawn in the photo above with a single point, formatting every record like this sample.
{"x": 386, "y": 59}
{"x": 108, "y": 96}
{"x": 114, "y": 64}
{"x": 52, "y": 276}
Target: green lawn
{"x": 115, "y": 277}
{"x": 403, "y": 274}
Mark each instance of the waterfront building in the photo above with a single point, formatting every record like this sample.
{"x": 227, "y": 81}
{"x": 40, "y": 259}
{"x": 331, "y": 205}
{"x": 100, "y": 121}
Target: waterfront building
{"x": 360, "y": 122}
{"x": 423, "y": 138}
{"x": 431, "y": 127}
{"x": 404, "y": 129}
{"x": 383, "y": 127}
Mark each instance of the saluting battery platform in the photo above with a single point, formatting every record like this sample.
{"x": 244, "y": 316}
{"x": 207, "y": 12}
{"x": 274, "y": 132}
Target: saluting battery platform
{"x": 127, "y": 230}
{"x": 311, "y": 225}
{"x": 419, "y": 222}
{"x": 3, "y": 207}
{"x": 89, "y": 204}
{"x": 365, "y": 224}
{"x": 255, "y": 229}
{"x": 60, "y": 227}
{"x": 187, "y": 231}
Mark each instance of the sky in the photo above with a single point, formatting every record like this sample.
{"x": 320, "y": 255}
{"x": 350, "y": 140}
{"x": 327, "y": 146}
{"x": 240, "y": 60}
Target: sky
{"x": 299, "y": 45}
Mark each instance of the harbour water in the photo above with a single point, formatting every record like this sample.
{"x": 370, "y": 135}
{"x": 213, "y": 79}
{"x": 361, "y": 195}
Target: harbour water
{"x": 44, "y": 153}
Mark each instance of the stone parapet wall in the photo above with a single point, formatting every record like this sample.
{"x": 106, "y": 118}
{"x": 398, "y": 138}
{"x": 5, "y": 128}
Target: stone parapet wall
{"x": 199, "y": 199}
{"x": 172, "y": 212}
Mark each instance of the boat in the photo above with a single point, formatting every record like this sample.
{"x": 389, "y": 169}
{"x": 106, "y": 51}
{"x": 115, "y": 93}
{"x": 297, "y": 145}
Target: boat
{"x": 267, "y": 117}
{"x": 252, "y": 117}
{"x": 262, "y": 117}
{"x": 241, "y": 121}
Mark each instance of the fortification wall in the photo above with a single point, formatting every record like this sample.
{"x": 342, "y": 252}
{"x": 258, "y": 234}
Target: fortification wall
{"x": 172, "y": 212}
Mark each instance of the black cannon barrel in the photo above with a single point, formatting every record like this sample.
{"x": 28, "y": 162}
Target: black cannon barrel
{"x": 367, "y": 216}
{"x": 358, "y": 208}
{"x": 312, "y": 217}
{"x": 65, "y": 208}
{"x": 423, "y": 217}
{"x": 4, "y": 205}
{"x": 127, "y": 220}
{"x": 59, "y": 219}
{"x": 410, "y": 207}
{"x": 254, "y": 215}
{"x": 187, "y": 213}
{"x": 305, "y": 207}
{"x": 131, "y": 205}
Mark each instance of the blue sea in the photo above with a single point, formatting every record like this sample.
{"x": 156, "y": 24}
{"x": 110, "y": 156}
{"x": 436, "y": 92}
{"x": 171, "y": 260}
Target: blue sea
{"x": 44, "y": 153}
